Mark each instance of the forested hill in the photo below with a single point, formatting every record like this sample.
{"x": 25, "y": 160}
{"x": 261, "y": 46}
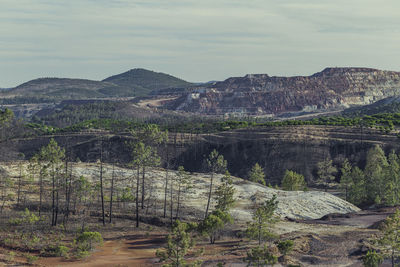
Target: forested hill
{"x": 144, "y": 81}
{"x": 136, "y": 82}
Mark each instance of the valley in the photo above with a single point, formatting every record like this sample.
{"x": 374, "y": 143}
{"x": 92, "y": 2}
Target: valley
{"x": 113, "y": 172}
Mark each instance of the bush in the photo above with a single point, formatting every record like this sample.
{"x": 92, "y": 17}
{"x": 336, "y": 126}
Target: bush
{"x": 87, "y": 240}
{"x": 285, "y": 246}
{"x": 260, "y": 256}
{"x": 61, "y": 251}
{"x": 372, "y": 259}
{"x": 10, "y": 257}
{"x": 30, "y": 259}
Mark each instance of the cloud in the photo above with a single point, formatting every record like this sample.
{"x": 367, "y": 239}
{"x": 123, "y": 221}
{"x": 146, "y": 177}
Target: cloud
{"x": 195, "y": 40}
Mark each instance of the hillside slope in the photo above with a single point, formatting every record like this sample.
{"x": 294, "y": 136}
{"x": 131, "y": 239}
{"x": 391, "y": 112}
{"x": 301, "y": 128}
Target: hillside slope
{"x": 292, "y": 204}
{"x": 136, "y": 82}
{"x": 386, "y": 105}
{"x": 332, "y": 88}
{"x": 142, "y": 82}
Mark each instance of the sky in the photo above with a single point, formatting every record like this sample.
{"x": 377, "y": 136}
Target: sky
{"x": 194, "y": 40}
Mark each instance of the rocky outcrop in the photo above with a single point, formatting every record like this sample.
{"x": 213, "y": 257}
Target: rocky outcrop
{"x": 330, "y": 89}
{"x": 291, "y": 204}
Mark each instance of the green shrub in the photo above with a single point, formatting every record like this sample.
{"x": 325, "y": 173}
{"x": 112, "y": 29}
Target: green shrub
{"x": 260, "y": 256}
{"x": 10, "y": 256}
{"x": 87, "y": 240}
{"x": 285, "y": 246}
{"x": 372, "y": 259}
{"x": 61, "y": 251}
{"x": 30, "y": 259}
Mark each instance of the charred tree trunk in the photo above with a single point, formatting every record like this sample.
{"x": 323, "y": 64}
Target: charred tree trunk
{"x": 112, "y": 192}
{"x": 209, "y": 194}
{"x": 101, "y": 184}
{"x": 143, "y": 177}
{"x": 137, "y": 195}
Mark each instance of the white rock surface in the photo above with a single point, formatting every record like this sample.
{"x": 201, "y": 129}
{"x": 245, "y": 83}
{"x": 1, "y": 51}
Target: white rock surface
{"x": 292, "y": 204}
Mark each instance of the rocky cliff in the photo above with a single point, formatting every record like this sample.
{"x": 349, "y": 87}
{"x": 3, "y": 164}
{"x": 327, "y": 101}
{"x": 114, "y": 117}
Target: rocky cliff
{"x": 332, "y": 88}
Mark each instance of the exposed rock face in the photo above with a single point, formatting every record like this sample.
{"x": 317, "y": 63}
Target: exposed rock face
{"x": 333, "y": 88}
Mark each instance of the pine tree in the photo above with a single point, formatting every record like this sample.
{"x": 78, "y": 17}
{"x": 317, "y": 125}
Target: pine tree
{"x": 257, "y": 174}
{"x": 392, "y": 194}
{"x": 375, "y": 178}
{"x": 293, "y": 181}
{"x": 179, "y": 244}
{"x": 216, "y": 164}
{"x": 224, "y": 194}
{"x": 214, "y": 223}
{"x": 263, "y": 220}
{"x": 53, "y": 155}
{"x": 184, "y": 183}
{"x": 142, "y": 155}
{"x": 390, "y": 240}
{"x": 326, "y": 172}
{"x": 346, "y": 180}
{"x": 357, "y": 192}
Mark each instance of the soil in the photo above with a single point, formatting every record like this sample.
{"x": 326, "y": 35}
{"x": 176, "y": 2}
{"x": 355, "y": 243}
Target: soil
{"x": 334, "y": 240}
{"x": 132, "y": 250}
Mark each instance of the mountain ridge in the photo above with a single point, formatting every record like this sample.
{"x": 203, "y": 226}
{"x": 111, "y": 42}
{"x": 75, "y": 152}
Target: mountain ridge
{"x": 119, "y": 85}
{"x": 261, "y": 94}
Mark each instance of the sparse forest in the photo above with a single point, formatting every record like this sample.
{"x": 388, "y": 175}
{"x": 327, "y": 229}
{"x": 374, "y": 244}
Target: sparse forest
{"x": 54, "y": 205}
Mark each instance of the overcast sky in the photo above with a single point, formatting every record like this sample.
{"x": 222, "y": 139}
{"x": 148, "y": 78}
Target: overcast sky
{"x": 197, "y": 40}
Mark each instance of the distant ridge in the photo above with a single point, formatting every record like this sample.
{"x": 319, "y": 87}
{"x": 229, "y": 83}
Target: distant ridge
{"x": 135, "y": 82}
{"x": 144, "y": 81}
{"x": 261, "y": 94}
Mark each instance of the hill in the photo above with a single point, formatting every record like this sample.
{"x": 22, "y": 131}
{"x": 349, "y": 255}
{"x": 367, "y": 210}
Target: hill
{"x": 387, "y": 105}
{"x": 292, "y": 204}
{"x": 142, "y": 82}
{"x": 260, "y": 94}
{"x": 136, "y": 82}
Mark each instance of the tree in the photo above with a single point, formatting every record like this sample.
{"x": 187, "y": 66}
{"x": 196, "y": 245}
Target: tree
{"x": 83, "y": 195}
{"x": 293, "y": 181}
{"x": 5, "y": 195}
{"x": 263, "y": 220}
{"x": 326, "y": 172}
{"x": 375, "y": 178}
{"x": 53, "y": 155}
{"x": 112, "y": 192}
{"x": 166, "y": 149}
{"x": 346, "y": 180}
{"x": 392, "y": 194}
{"x": 21, "y": 156}
{"x": 143, "y": 155}
{"x": 214, "y": 223}
{"x": 184, "y": 182}
{"x": 257, "y": 174}
{"x": 224, "y": 194}
{"x": 6, "y": 118}
{"x": 390, "y": 239}
{"x": 216, "y": 164}
{"x": 179, "y": 244}
{"x": 357, "y": 192}
{"x": 101, "y": 184}
{"x": 260, "y": 256}
{"x": 149, "y": 135}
